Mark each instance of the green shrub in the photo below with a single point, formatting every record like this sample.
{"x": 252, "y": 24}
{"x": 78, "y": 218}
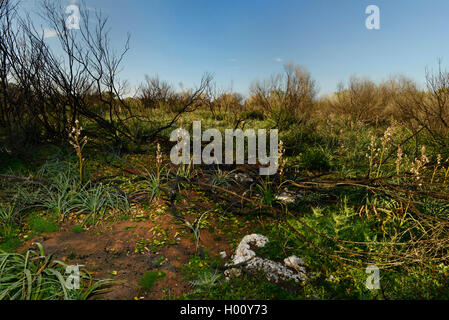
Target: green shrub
{"x": 298, "y": 139}
{"x": 283, "y": 118}
{"x": 220, "y": 116}
{"x": 315, "y": 159}
{"x": 253, "y": 115}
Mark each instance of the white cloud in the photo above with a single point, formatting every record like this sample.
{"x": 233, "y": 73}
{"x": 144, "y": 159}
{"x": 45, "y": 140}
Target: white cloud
{"x": 50, "y": 33}
{"x": 278, "y": 59}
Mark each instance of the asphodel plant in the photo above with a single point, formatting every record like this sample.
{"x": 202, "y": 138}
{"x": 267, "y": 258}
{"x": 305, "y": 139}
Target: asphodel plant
{"x": 78, "y": 144}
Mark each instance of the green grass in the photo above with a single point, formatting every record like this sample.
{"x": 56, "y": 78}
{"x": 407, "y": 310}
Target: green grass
{"x": 330, "y": 218}
{"x": 42, "y": 225}
{"x": 9, "y": 216}
{"x": 36, "y": 276}
{"x": 149, "y": 279}
{"x": 77, "y": 229}
{"x": 11, "y": 244}
{"x": 208, "y": 284}
{"x": 10, "y": 163}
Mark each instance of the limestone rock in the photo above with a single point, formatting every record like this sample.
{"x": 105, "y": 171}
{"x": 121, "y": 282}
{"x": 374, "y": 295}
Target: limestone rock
{"x": 243, "y": 252}
{"x": 295, "y": 263}
{"x": 286, "y": 197}
{"x": 245, "y": 257}
{"x": 243, "y": 178}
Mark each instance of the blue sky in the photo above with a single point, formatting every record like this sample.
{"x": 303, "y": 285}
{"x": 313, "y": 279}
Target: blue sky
{"x": 241, "y": 41}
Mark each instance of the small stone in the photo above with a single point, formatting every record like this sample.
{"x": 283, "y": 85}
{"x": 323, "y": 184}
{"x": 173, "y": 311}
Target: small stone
{"x": 223, "y": 254}
{"x": 293, "y": 262}
{"x": 243, "y": 178}
{"x": 234, "y": 272}
{"x": 285, "y": 197}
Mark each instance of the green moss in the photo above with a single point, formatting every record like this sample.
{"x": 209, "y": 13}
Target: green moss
{"x": 77, "y": 229}
{"x": 11, "y": 244}
{"x": 42, "y": 225}
{"x": 150, "y": 278}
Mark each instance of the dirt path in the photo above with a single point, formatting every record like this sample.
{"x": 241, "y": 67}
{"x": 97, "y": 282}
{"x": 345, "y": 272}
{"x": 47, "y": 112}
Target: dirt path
{"x": 125, "y": 250}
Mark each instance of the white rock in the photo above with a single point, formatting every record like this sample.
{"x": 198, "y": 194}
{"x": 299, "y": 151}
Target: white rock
{"x": 223, "y": 254}
{"x": 274, "y": 271}
{"x": 233, "y": 272}
{"x": 243, "y": 178}
{"x": 243, "y": 252}
{"x": 294, "y": 262}
{"x": 285, "y": 197}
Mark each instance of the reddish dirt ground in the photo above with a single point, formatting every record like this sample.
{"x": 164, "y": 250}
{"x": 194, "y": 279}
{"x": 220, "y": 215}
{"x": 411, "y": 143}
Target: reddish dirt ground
{"x": 109, "y": 251}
